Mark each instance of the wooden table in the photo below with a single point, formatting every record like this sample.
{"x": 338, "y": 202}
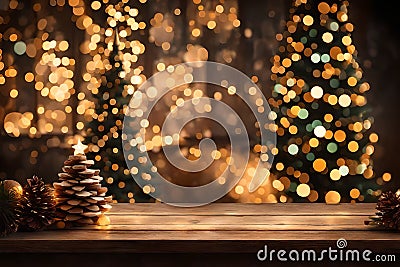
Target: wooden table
{"x": 221, "y": 234}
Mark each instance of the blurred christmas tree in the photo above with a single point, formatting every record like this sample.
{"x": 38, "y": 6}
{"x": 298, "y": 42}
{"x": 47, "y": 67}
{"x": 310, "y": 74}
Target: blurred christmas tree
{"x": 323, "y": 126}
{"x": 103, "y": 133}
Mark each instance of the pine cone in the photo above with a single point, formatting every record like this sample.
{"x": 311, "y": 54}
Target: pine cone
{"x": 80, "y": 197}
{"x": 388, "y": 207}
{"x": 37, "y": 205}
{"x": 9, "y": 199}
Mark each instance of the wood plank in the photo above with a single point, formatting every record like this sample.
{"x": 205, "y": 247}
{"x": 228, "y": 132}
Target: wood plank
{"x": 71, "y": 235}
{"x": 193, "y": 241}
{"x": 217, "y": 209}
{"x": 225, "y": 228}
{"x": 230, "y": 227}
{"x": 236, "y": 220}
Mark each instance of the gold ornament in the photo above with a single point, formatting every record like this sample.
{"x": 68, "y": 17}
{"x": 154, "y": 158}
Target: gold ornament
{"x": 12, "y": 187}
{"x": 10, "y": 194}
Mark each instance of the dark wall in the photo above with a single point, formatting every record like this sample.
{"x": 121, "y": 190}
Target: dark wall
{"x": 376, "y": 37}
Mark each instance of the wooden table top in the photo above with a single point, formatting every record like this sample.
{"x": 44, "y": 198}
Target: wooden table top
{"x": 219, "y": 228}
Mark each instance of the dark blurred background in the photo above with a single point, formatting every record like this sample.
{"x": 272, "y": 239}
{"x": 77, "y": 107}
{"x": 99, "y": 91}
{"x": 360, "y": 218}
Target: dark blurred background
{"x": 376, "y": 37}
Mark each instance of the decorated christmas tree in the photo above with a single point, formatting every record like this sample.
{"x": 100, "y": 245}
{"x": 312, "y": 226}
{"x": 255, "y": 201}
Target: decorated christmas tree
{"x": 79, "y": 195}
{"x": 320, "y": 107}
{"x": 103, "y": 133}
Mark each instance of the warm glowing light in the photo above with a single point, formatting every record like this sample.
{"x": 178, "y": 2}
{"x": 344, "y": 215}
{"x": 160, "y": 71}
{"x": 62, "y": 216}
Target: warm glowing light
{"x": 320, "y": 131}
{"x": 332, "y": 197}
{"x": 323, "y": 7}
{"x": 373, "y": 138}
{"x": 386, "y": 177}
{"x": 353, "y": 146}
{"x": 319, "y": 165}
{"x": 339, "y": 136}
{"x": 335, "y": 175}
{"x": 313, "y": 142}
{"x": 308, "y": 20}
{"x": 346, "y": 40}
{"x": 303, "y": 190}
{"x": 344, "y": 100}
{"x": 196, "y": 32}
{"x": 352, "y": 81}
{"x": 103, "y": 220}
{"x": 327, "y": 37}
{"x": 14, "y": 93}
{"x": 211, "y": 24}
{"x": 354, "y": 193}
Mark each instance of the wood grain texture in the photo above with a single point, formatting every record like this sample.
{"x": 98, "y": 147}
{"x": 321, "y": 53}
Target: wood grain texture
{"x": 216, "y": 228}
{"x": 246, "y": 209}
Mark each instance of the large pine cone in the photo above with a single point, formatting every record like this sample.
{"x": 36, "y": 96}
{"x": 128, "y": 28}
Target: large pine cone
{"x": 388, "y": 207}
{"x": 37, "y": 205}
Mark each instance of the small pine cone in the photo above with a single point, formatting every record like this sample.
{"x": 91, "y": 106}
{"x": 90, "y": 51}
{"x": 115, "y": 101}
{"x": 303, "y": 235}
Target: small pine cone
{"x": 37, "y": 205}
{"x": 388, "y": 207}
{"x": 8, "y": 210}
